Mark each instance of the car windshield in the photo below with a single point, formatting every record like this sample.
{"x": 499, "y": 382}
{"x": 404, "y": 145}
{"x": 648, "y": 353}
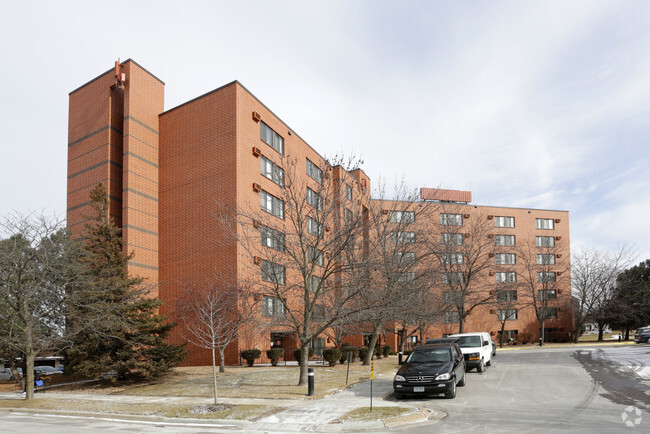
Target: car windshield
{"x": 433, "y": 355}
{"x": 469, "y": 341}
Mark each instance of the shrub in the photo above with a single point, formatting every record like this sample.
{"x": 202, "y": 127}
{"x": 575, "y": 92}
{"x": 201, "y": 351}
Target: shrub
{"x": 332, "y": 355}
{"x": 377, "y": 353}
{"x": 297, "y": 352}
{"x": 251, "y": 355}
{"x": 363, "y": 352}
{"x": 274, "y": 355}
{"x": 345, "y": 349}
{"x": 385, "y": 350}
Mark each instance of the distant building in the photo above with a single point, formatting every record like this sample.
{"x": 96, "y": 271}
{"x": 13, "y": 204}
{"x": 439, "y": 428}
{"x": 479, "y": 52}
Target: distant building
{"x": 167, "y": 171}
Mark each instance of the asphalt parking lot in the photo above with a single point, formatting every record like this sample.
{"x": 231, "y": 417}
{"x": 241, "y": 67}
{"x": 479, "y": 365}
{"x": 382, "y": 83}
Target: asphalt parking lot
{"x": 549, "y": 389}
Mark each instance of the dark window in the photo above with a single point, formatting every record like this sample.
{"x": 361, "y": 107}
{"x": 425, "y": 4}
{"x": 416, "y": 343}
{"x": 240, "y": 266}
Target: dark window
{"x": 271, "y": 138}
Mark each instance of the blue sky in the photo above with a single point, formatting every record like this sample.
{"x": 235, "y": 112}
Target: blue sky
{"x": 541, "y": 104}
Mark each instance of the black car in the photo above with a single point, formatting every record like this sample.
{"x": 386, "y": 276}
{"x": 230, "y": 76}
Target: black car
{"x": 431, "y": 370}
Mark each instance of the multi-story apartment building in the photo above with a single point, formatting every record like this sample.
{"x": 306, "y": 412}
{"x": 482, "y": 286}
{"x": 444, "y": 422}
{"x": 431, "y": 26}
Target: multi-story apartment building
{"x": 171, "y": 176}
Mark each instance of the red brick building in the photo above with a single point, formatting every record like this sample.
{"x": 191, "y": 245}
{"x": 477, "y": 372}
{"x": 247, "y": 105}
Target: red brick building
{"x": 169, "y": 173}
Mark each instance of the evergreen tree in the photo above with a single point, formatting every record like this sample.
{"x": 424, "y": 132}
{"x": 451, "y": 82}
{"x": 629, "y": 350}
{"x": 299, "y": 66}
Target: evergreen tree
{"x": 123, "y": 331}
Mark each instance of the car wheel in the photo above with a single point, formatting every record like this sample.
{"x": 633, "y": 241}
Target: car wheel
{"x": 451, "y": 393}
{"x": 489, "y": 363}
{"x": 461, "y": 383}
{"x": 481, "y": 366}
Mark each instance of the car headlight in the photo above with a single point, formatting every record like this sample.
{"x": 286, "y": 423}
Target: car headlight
{"x": 399, "y": 378}
{"x": 445, "y": 376}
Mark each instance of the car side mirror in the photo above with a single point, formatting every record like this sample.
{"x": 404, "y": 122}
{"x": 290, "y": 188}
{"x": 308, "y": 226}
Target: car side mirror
{"x": 485, "y": 343}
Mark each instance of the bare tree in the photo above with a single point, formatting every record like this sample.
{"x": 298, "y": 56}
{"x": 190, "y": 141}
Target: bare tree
{"x": 464, "y": 253}
{"x": 308, "y": 243}
{"x": 593, "y": 279}
{"x": 38, "y": 263}
{"x": 214, "y": 316}
{"x": 397, "y": 267}
{"x": 543, "y": 274}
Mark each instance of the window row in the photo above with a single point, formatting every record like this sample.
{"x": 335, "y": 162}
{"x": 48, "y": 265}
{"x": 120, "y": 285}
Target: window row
{"x": 404, "y": 217}
{"x": 271, "y": 170}
{"x": 314, "y": 171}
{"x": 449, "y": 317}
{"x": 272, "y": 204}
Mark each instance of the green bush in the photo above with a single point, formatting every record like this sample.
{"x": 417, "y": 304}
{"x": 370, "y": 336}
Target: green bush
{"x": 363, "y": 352}
{"x": 251, "y": 355}
{"x": 386, "y": 350}
{"x": 332, "y": 355}
{"x": 297, "y": 352}
{"x": 274, "y": 355}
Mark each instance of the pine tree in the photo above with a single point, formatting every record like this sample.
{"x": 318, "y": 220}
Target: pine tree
{"x": 122, "y": 330}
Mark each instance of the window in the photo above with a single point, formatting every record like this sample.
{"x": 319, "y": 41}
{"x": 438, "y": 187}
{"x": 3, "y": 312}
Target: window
{"x": 271, "y": 170}
{"x": 348, "y": 215}
{"x": 450, "y": 317}
{"x": 315, "y": 256}
{"x": 314, "y": 283}
{"x": 272, "y": 272}
{"x": 509, "y": 334}
{"x": 543, "y": 259}
{"x": 452, "y": 258}
{"x": 272, "y": 238}
{"x": 545, "y": 241}
{"x": 402, "y": 217}
{"x": 313, "y": 227}
{"x": 506, "y": 314}
{"x": 452, "y": 297}
{"x": 406, "y": 277}
{"x": 546, "y": 294}
{"x": 504, "y": 222}
{"x": 504, "y": 240}
{"x": 272, "y": 306}
{"x": 507, "y": 295}
{"x": 451, "y": 219}
{"x": 455, "y": 239}
{"x": 348, "y": 192}
{"x": 452, "y": 277}
{"x": 547, "y": 312}
{"x": 546, "y": 276}
{"x": 399, "y": 237}
{"x": 272, "y": 204}
{"x": 271, "y": 138}
{"x": 506, "y": 258}
{"x": 544, "y": 224}
{"x": 314, "y": 172}
{"x": 506, "y": 277}
{"x": 314, "y": 199}
{"x": 403, "y": 257}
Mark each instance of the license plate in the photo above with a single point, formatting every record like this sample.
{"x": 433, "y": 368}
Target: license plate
{"x": 418, "y": 389}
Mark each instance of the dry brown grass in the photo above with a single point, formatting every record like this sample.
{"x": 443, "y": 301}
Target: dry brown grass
{"x": 95, "y": 407}
{"x": 278, "y": 382}
{"x": 196, "y": 382}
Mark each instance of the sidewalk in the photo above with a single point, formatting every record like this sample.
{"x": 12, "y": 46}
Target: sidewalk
{"x": 299, "y": 415}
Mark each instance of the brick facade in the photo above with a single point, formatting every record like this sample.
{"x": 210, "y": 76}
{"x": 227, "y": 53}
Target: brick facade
{"x": 170, "y": 173}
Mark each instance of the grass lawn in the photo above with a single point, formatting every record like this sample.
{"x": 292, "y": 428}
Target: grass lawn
{"x": 196, "y": 382}
{"x": 277, "y": 382}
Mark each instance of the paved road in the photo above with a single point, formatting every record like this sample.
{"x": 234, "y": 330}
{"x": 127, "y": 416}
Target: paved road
{"x": 534, "y": 390}
{"x": 542, "y": 390}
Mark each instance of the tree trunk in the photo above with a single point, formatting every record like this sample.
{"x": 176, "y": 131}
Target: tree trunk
{"x": 222, "y": 360}
{"x": 214, "y": 375}
{"x": 373, "y": 342}
{"x": 601, "y": 329}
{"x": 503, "y": 327}
{"x": 29, "y": 374}
{"x": 304, "y": 362}
{"x": 541, "y": 333}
